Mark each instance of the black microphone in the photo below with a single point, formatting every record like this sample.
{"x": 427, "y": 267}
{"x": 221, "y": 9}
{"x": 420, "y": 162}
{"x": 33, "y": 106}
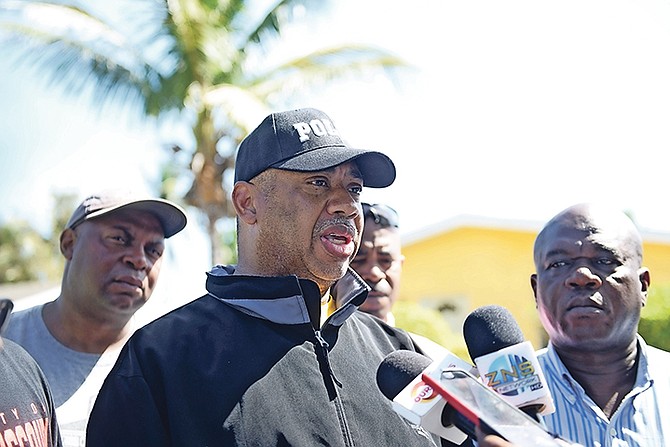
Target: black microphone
{"x": 449, "y": 401}
{"x": 397, "y": 377}
{"x": 505, "y": 361}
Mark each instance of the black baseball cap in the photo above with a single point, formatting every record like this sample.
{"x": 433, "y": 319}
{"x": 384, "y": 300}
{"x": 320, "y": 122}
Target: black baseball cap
{"x": 306, "y": 140}
{"x": 170, "y": 215}
{"x": 382, "y": 215}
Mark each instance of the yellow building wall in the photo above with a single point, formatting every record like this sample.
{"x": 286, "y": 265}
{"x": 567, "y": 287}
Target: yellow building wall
{"x": 657, "y": 258}
{"x": 468, "y": 267}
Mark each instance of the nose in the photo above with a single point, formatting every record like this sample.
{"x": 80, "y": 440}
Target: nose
{"x": 370, "y": 270}
{"x": 583, "y": 277}
{"x": 136, "y": 258}
{"x": 343, "y": 203}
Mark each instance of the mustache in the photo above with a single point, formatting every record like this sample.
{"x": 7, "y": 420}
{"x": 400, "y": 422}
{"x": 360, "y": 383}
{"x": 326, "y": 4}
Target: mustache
{"x": 342, "y": 221}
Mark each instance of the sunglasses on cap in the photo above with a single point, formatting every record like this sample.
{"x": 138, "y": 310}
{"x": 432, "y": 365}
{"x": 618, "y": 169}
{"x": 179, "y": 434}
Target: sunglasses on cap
{"x": 6, "y": 306}
{"x": 382, "y": 215}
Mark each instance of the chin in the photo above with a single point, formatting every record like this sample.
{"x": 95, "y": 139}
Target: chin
{"x": 332, "y": 275}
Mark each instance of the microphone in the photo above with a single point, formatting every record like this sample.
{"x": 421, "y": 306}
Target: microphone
{"x": 506, "y": 362}
{"x": 451, "y": 402}
{"x": 399, "y": 379}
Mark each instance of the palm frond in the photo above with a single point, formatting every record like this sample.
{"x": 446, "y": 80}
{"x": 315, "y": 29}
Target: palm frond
{"x": 325, "y": 65}
{"x": 242, "y": 107}
{"x": 80, "y": 50}
{"x": 279, "y": 14}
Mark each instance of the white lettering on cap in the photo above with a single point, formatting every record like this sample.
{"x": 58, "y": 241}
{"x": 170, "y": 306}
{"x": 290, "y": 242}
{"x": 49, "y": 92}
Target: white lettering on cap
{"x": 303, "y": 131}
{"x": 317, "y": 126}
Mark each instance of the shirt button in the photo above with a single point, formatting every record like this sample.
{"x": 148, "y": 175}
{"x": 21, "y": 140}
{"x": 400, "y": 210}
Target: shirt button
{"x": 572, "y": 399}
{"x": 612, "y": 432}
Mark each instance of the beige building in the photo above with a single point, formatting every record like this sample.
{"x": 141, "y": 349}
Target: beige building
{"x": 466, "y": 262}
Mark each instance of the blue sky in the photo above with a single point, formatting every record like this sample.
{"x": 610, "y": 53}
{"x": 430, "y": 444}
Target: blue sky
{"x": 516, "y": 109}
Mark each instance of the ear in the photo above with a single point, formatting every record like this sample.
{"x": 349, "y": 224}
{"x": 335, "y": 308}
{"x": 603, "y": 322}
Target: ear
{"x": 244, "y": 201}
{"x": 67, "y": 240}
{"x": 645, "y": 280}
{"x": 533, "y": 285}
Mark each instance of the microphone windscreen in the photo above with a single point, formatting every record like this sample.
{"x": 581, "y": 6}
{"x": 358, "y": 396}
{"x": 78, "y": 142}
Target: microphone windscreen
{"x": 398, "y": 369}
{"x": 489, "y": 329}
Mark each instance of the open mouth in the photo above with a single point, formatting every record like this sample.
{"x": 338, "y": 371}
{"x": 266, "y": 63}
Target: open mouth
{"x": 338, "y": 240}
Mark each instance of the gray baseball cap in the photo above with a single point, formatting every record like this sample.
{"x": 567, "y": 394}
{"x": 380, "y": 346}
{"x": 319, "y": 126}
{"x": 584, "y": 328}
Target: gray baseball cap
{"x": 171, "y": 216}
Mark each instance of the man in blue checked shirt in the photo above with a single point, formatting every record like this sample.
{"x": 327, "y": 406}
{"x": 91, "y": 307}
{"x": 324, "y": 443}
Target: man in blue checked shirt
{"x": 590, "y": 285}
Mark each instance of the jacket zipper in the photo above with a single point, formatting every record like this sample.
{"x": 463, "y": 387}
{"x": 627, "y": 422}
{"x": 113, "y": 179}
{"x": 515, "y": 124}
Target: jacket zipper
{"x": 341, "y": 416}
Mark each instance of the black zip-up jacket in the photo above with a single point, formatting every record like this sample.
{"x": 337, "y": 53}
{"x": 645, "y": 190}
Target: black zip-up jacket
{"x": 248, "y": 365}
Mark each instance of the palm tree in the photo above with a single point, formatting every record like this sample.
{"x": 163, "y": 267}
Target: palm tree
{"x": 206, "y": 60}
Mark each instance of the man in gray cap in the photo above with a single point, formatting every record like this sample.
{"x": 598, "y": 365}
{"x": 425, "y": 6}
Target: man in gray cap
{"x": 113, "y": 246}
{"x": 254, "y": 362}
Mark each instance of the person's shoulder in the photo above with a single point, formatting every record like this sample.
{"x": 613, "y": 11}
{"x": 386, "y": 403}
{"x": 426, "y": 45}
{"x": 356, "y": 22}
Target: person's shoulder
{"x": 547, "y": 358}
{"x": 376, "y": 324}
{"x": 542, "y": 352}
{"x": 657, "y": 363}
{"x": 432, "y": 349}
{"x": 657, "y": 353}
{"x": 371, "y": 320}
{"x": 183, "y": 318}
{"x": 22, "y": 322}
{"x": 17, "y": 354}
{"x": 367, "y": 318}
{"x": 652, "y": 353}
{"x": 11, "y": 348}
{"x": 29, "y": 312}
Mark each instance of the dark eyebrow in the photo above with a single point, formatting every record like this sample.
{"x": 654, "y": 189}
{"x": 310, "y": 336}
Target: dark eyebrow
{"x": 127, "y": 231}
{"x": 121, "y": 227}
{"x": 555, "y": 252}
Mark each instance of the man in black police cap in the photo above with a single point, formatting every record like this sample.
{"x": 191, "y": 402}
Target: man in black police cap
{"x": 253, "y": 362}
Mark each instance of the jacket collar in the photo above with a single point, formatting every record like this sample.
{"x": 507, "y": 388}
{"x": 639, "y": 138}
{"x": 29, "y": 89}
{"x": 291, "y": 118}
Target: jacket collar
{"x": 281, "y": 299}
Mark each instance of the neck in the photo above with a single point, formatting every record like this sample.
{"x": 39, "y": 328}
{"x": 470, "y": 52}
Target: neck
{"x": 81, "y": 332}
{"x": 606, "y": 376}
{"x": 243, "y": 268}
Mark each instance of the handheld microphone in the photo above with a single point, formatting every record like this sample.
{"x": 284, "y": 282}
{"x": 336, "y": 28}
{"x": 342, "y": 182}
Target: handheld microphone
{"x": 399, "y": 379}
{"x": 450, "y": 402}
{"x": 505, "y": 361}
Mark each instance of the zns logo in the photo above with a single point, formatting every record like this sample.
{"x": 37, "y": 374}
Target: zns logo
{"x": 318, "y": 127}
{"x": 518, "y": 371}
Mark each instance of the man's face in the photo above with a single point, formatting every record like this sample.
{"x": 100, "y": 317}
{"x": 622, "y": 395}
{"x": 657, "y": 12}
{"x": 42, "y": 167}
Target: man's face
{"x": 379, "y": 263}
{"x": 309, "y": 223}
{"x": 113, "y": 261}
{"x": 589, "y": 286}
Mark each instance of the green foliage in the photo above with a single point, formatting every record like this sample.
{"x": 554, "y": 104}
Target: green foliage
{"x": 428, "y": 322}
{"x": 25, "y": 255}
{"x": 205, "y": 60}
{"x": 655, "y": 321}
